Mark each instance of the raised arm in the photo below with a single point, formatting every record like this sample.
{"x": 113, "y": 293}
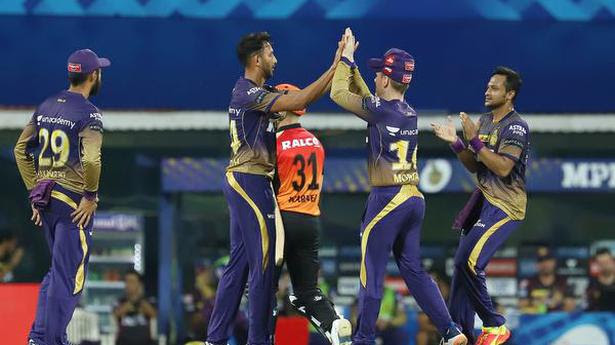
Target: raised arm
{"x": 358, "y": 85}
{"x": 346, "y": 78}
{"x": 301, "y": 99}
{"x": 341, "y": 95}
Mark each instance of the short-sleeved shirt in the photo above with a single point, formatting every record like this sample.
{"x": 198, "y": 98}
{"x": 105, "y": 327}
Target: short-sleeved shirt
{"x": 600, "y": 297}
{"x": 541, "y": 294}
{"x": 300, "y": 163}
{"x": 392, "y": 142}
{"x": 510, "y": 137}
{"x": 56, "y": 144}
{"x": 134, "y": 327}
{"x": 252, "y": 144}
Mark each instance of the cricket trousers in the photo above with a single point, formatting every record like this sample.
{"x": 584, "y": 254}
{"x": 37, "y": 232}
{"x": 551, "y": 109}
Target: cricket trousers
{"x": 392, "y": 221}
{"x": 62, "y": 285}
{"x": 469, "y": 295}
{"x": 252, "y": 233}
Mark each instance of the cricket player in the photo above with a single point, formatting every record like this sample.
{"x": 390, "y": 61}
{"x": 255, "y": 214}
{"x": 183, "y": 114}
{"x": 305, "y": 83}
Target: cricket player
{"x": 300, "y": 164}
{"x": 58, "y": 156}
{"x": 249, "y": 191}
{"x": 395, "y": 208}
{"x": 496, "y": 151}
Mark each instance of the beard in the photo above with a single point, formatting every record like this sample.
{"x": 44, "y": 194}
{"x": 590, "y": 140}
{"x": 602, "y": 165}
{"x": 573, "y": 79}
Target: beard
{"x": 95, "y": 88}
{"x": 495, "y": 104}
{"x": 268, "y": 73}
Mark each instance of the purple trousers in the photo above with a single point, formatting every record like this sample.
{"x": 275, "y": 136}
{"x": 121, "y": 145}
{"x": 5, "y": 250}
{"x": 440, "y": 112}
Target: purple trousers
{"x": 392, "y": 222}
{"x": 252, "y": 259}
{"x": 469, "y": 295}
{"x": 62, "y": 285}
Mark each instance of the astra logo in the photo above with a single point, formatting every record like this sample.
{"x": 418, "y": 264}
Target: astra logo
{"x": 253, "y": 90}
{"x": 517, "y": 130}
{"x": 96, "y": 116}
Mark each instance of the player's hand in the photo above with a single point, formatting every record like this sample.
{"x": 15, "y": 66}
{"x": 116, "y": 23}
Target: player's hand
{"x": 36, "y": 217}
{"x": 83, "y": 213}
{"x": 350, "y": 45}
{"x": 446, "y": 131}
{"x": 338, "y": 53}
{"x": 470, "y": 129}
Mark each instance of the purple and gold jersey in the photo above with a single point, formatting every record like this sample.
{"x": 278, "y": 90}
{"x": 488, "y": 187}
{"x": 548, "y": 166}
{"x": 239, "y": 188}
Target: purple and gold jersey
{"x": 62, "y": 142}
{"x": 252, "y": 145}
{"x": 391, "y": 142}
{"x": 510, "y": 137}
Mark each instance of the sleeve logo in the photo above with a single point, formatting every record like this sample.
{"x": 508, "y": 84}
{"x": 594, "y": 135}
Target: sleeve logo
{"x": 96, "y": 116}
{"x": 517, "y": 130}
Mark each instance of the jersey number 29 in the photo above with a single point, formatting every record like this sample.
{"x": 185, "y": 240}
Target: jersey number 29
{"x": 60, "y": 148}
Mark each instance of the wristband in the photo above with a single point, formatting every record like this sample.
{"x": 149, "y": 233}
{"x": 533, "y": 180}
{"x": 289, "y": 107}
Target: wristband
{"x": 92, "y": 196}
{"x": 349, "y": 63}
{"x": 476, "y": 144}
{"x": 458, "y": 146}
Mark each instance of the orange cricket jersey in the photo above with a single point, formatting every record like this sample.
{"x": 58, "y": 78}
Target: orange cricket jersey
{"x": 300, "y": 162}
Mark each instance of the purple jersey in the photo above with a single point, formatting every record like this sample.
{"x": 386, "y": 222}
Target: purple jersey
{"x": 252, "y": 145}
{"x": 392, "y": 142}
{"x": 510, "y": 137}
{"x": 56, "y": 145}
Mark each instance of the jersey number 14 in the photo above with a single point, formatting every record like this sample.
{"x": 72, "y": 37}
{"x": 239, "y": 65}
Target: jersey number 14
{"x": 401, "y": 147}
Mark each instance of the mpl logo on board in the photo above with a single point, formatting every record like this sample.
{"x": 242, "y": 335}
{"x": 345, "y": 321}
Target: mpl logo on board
{"x": 590, "y": 175}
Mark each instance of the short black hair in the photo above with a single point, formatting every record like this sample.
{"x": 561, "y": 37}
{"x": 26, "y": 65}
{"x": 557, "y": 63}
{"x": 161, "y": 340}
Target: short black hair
{"x": 603, "y": 250}
{"x": 513, "y": 79}
{"x": 399, "y": 87}
{"x": 250, "y": 44}
{"x": 77, "y": 79}
{"x": 134, "y": 272}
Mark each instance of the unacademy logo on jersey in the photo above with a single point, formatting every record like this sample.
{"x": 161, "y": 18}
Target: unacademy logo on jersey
{"x": 54, "y": 120}
{"x": 404, "y": 132}
{"x": 392, "y": 130}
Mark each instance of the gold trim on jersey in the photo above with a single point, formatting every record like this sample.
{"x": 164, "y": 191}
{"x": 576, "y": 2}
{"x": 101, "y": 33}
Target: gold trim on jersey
{"x": 478, "y": 247}
{"x": 510, "y": 212}
{"x": 406, "y": 192}
{"x": 259, "y": 216}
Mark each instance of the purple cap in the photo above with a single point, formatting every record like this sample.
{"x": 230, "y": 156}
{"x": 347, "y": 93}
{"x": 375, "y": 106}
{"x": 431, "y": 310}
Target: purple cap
{"x": 86, "y": 61}
{"x": 397, "y": 64}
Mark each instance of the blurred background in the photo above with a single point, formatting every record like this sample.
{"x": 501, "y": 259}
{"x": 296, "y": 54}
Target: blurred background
{"x": 161, "y": 233}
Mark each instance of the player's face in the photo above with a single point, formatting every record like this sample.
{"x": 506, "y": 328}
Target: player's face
{"x": 547, "y": 266}
{"x": 267, "y": 61}
{"x": 496, "y": 94}
{"x": 133, "y": 286}
{"x": 97, "y": 83}
{"x": 606, "y": 264}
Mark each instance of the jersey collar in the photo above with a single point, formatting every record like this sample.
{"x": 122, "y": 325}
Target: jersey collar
{"x": 293, "y": 125}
